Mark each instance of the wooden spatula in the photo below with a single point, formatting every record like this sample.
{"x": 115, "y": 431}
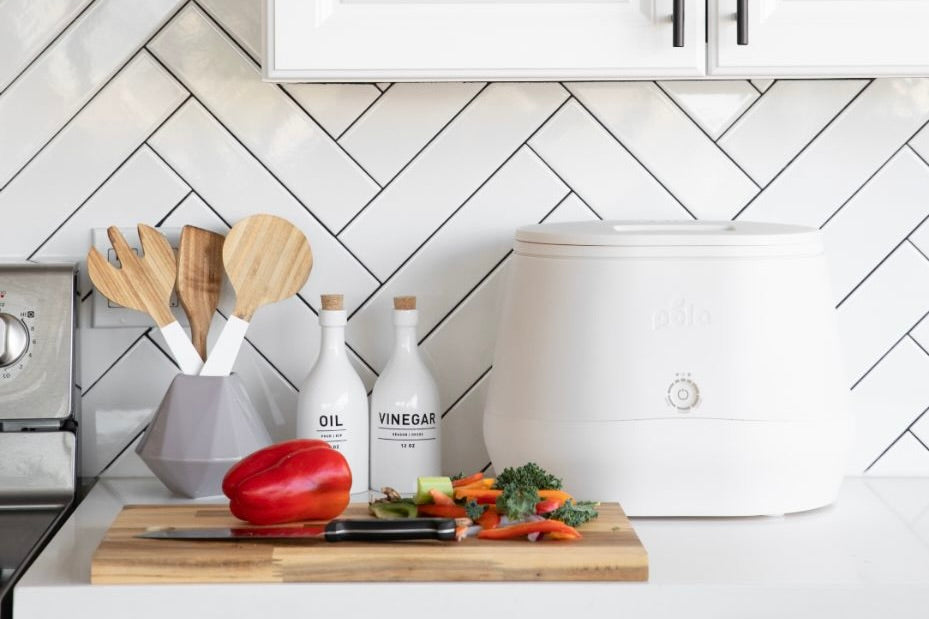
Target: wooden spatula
{"x": 199, "y": 280}
{"x": 145, "y": 283}
{"x": 267, "y": 259}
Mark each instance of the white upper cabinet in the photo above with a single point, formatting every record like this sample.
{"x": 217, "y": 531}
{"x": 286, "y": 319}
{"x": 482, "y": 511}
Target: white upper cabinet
{"x": 818, "y": 38}
{"x": 425, "y": 40}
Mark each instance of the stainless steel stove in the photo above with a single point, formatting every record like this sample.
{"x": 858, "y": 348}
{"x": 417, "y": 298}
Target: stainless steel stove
{"x": 38, "y": 412}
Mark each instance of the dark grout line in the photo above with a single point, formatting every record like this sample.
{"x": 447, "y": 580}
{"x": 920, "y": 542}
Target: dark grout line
{"x": 123, "y": 354}
{"x": 915, "y": 341}
{"x": 889, "y": 350}
{"x": 896, "y": 440}
{"x": 359, "y": 117}
{"x": 413, "y": 158}
{"x": 805, "y": 147}
{"x": 633, "y": 155}
{"x": 48, "y": 46}
{"x": 883, "y": 260}
{"x": 915, "y": 246}
{"x": 708, "y": 137}
{"x": 465, "y": 393}
{"x": 734, "y": 122}
{"x": 571, "y": 189}
{"x": 93, "y": 97}
{"x": 166, "y": 353}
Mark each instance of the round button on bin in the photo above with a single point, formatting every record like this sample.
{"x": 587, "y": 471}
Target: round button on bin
{"x": 683, "y": 394}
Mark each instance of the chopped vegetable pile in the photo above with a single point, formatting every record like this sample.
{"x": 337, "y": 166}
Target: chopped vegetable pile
{"x": 521, "y": 502}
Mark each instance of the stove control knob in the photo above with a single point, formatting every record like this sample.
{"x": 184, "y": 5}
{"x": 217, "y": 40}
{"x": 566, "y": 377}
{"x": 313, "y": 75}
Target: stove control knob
{"x": 14, "y": 340}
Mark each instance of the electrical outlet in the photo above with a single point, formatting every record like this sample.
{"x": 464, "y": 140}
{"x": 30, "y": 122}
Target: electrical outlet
{"x": 107, "y": 314}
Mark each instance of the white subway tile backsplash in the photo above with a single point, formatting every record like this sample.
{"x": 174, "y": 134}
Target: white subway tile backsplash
{"x": 845, "y": 155}
{"x": 66, "y": 172}
{"x": 26, "y": 27}
{"x": 791, "y": 113}
{"x": 64, "y": 78}
{"x": 461, "y": 165}
{"x": 660, "y": 136}
{"x": 450, "y": 169}
{"x": 600, "y": 170}
{"x": 887, "y": 305}
{"x": 288, "y": 141}
{"x": 876, "y": 220}
{"x": 712, "y": 104}
{"x": 387, "y": 136}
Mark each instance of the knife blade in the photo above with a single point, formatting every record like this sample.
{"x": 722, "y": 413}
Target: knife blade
{"x": 342, "y": 530}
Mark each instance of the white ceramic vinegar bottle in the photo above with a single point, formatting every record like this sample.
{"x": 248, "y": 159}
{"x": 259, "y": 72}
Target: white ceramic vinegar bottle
{"x": 333, "y": 402}
{"x": 405, "y": 413}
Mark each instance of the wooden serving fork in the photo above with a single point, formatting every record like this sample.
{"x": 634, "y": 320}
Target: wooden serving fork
{"x": 145, "y": 283}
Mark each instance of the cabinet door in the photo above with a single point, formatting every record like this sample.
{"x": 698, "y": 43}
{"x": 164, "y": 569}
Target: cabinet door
{"x": 802, "y": 38}
{"x": 425, "y": 40}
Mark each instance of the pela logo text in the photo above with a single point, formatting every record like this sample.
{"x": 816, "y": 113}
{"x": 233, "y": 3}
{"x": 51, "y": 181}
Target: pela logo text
{"x": 680, "y": 314}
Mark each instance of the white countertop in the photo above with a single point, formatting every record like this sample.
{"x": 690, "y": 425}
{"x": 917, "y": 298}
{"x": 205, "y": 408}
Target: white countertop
{"x": 868, "y": 556}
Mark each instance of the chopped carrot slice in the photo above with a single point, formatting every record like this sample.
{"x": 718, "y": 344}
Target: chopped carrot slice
{"x": 440, "y": 498}
{"x": 467, "y": 481}
{"x": 523, "y": 529}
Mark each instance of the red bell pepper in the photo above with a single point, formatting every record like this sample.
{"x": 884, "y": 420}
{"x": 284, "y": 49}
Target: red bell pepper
{"x": 547, "y": 505}
{"x": 290, "y": 481}
{"x": 490, "y": 518}
{"x": 559, "y": 530}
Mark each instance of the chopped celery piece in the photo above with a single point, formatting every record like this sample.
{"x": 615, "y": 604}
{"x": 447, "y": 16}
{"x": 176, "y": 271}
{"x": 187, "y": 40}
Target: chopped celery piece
{"x": 398, "y": 509}
{"x": 425, "y": 484}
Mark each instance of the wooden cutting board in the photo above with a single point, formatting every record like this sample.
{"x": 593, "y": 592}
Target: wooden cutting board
{"x": 609, "y": 551}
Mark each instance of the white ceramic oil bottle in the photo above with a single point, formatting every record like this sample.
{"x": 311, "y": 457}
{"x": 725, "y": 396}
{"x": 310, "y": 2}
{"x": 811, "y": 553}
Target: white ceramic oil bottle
{"x": 333, "y": 402}
{"x": 405, "y": 413}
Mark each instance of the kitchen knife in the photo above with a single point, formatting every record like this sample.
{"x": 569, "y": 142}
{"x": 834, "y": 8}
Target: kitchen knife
{"x": 335, "y": 531}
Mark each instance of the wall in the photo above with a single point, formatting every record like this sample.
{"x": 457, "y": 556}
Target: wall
{"x": 117, "y": 112}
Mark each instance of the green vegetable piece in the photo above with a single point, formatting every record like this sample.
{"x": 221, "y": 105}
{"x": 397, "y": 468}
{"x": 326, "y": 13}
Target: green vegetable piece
{"x": 517, "y": 502}
{"x": 475, "y": 510}
{"x": 574, "y": 514}
{"x": 425, "y": 484}
{"x": 399, "y": 509}
{"x": 457, "y": 476}
{"x": 529, "y": 475}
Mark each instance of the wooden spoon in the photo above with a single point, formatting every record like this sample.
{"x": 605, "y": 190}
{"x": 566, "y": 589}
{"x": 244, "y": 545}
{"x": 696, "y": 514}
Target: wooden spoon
{"x": 145, "y": 284}
{"x": 199, "y": 280}
{"x": 267, "y": 259}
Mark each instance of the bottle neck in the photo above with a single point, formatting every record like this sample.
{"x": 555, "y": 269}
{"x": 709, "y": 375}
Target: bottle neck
{"x": 405, "y": 339}
{"x": 332, "y": 333}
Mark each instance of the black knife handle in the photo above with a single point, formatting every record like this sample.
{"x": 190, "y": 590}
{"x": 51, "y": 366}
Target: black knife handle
{"x": 390, "y": 530}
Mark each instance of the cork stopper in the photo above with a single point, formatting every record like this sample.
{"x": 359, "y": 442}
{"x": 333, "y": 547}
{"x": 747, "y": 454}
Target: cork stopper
{"x": 333, "y": 302}
{"x": 404, "y": 303}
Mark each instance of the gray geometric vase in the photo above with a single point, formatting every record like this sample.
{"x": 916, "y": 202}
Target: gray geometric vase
{"x": 203, "y": 426}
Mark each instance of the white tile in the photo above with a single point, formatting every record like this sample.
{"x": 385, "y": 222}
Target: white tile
{"x": 241, "y": 19}
{"x": 920, "y": 333}
{"x": 920, "y": 238}
{"x": 402, "y": 121}
{"x": 600, "y": 170}
{"x": 236, "y": 185}
{"x": 847, "y": 152}
{"x": 462, "y": 346}
{"x": 884, "y": 308}
{"x": 463, "y": 448}
{"x": 907, "y": 458}
{"x": 100, "y": 348}
{"x": 791, "y": 113}
{"x": 26, "y": 26}
{"x": 894, "y": 394}
{"x": 878, "y": 218}
{"x": 274, "y": 399}
{"x": 762, "y": 85}
{"x": 921, "y": 427}
{"x": 288, "y": 141}
{"x": 659, "y": 135}
{"x": 128, "y": 464}
{"x": 382, "y": 86}
{"x": 79, "y": 159}
{"x": 453, "y": 261}
{"x": 36, "y": 105}
{"x": 119, "y": 406}
{"x": 193, "y": 211}
{"x": 452, "y": 167}
{"x": 920, "y": 143}
{"x": 142, "y": 190}
{"x": 334, "y": 106}
{"x": 712, "y": 104}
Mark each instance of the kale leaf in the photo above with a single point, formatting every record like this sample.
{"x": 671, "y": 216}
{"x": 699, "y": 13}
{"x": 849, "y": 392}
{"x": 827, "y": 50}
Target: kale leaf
{"x": 574, "y": 514}
{"x": 529, "y": 475}
{"x": 474, "y": 509}
{"x": 517, "y": 502}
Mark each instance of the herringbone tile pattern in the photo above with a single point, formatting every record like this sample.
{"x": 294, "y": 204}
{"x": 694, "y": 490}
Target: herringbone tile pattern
{"x": 118, "y": 113}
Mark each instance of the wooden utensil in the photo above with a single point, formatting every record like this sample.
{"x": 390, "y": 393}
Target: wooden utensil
{"x": 145, "y": 283}
{"x": 199, "y": 280}
{"x": 267, "y": 259}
